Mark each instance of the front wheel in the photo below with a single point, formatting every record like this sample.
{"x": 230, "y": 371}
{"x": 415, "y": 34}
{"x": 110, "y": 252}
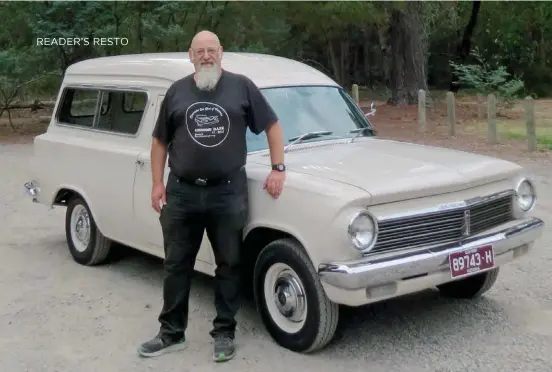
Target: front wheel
{"x": 470, "y": 287}
{"x": 290, "y": 299}
{"x": 87, "y": 244}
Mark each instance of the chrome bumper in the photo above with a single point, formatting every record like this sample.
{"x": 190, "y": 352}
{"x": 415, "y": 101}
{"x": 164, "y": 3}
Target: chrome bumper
{"x": 32, "y": 189}
{"x": 376, "y": 271}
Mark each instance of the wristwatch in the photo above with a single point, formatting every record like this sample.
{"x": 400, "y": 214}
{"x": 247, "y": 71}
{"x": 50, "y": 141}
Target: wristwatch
{"x": 279, "y": 167}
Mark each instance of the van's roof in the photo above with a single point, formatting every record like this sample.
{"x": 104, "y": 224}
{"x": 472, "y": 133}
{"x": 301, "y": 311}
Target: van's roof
{"x": 263, "y": 69}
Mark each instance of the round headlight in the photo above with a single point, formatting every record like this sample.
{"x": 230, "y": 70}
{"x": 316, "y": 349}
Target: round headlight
{"x": 363, "y": 231}
{"x": 525, "y": 195}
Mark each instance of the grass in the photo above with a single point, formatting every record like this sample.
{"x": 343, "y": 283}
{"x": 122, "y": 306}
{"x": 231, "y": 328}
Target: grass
{"x": 518, "y": 131}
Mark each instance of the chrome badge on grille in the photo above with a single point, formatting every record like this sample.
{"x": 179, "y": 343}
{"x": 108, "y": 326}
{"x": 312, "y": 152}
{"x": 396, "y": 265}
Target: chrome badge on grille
{"x": 455, "y": 205}
{"x": 467, "y": 222}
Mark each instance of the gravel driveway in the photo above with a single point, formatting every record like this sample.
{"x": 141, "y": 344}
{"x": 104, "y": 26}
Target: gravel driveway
{"x": 59, "y": 316}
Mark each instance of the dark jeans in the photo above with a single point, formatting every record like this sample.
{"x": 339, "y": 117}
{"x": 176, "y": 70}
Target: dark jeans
{"x": 221, "y": 210}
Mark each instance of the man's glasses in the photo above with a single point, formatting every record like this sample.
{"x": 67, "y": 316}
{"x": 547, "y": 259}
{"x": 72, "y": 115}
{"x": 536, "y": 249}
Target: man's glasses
{"x": 201, "y": 52}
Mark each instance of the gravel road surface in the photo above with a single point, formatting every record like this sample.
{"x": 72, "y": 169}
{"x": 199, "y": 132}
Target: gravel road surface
{"x": 59, "y": 316}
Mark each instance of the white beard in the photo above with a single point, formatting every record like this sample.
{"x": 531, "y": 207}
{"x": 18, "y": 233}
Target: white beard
{"x": 207, "y": 77}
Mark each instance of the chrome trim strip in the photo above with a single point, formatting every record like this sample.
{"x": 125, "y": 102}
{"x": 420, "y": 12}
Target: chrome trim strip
{"x": 447, "y": 207}
{"x": 371, "y": 272}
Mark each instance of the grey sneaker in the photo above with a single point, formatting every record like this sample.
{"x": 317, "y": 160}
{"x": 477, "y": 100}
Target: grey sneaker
{"x": 157, "y": 346}
{"x": 224, "y": 349}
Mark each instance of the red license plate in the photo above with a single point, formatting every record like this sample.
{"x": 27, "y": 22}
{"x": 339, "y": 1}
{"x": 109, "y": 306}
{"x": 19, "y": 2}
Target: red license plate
{"x": 471, "y": 261}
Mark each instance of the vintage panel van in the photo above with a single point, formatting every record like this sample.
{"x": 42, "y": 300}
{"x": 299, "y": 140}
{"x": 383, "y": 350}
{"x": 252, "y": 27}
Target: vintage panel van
{"x": 362, "y": 219}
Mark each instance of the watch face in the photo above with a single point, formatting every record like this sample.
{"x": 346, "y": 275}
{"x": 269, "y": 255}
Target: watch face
{"x": 279, "y": 167}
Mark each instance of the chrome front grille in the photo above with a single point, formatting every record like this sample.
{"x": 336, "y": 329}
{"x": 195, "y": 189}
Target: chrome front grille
{"x": 439, "y": 227}
{"x": 490, "y": 214}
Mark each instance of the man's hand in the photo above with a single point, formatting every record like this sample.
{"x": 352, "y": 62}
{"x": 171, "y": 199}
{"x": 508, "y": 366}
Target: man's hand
{"x": 158, "y": 196}
{"x": 274, "y": 183}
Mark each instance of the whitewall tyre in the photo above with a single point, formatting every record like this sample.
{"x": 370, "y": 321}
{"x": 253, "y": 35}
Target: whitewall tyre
{"x": 290, "y": 299}
{"x": 470, "y": 287}
{"x": 86, "y": 243}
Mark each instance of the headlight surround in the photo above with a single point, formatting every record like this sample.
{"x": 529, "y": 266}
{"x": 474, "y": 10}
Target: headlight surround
{"x": 363, "y": 231}
{"x": 525, "y": 196}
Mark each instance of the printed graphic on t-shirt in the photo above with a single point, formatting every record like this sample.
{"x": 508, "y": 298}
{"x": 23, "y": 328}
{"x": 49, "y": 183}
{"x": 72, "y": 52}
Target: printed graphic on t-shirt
{"x": 207, "y": 123}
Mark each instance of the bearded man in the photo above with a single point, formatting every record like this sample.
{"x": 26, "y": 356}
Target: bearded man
{"x": 202, "y": 129}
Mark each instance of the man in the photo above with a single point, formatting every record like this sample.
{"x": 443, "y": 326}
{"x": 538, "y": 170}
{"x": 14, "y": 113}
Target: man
{"x": 201, "y": 127}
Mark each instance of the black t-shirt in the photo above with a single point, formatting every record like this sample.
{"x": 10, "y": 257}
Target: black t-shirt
{"x": 205, "y": 131}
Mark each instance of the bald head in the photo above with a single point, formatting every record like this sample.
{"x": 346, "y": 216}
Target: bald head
{"x": 206, "y": 55}
{"x": 205, "y": 37}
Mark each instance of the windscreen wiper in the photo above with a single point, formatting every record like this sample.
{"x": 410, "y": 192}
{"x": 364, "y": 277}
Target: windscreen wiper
{"x": 358, "y": 132}
{"x": 306, "y": 136}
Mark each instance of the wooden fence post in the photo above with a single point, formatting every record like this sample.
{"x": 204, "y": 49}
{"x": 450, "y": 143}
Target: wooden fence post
{"x": 491, "y": 119}
{"x": 451, "y": 110}
{"x": 355, "y": 93}
{"x": 480, "y": 110}
{"x": 422, "y": 111}
{"x": 530, "y": 122}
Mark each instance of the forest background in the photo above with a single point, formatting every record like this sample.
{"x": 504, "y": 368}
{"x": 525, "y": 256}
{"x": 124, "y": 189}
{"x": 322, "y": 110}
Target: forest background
{"x": 390, "y": 49}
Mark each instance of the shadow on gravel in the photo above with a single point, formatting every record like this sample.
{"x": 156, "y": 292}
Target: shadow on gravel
{"x": 395, "y": 325}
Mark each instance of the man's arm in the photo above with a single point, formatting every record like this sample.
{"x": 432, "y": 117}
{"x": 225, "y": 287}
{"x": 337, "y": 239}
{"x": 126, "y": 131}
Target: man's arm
{"x": 158, "y": 160}
{"x": 263, "y": 118}
{"x": 275, "y": 137}
{"x": 162, "y": 135}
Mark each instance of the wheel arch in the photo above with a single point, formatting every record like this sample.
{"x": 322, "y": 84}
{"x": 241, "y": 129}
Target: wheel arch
{"x": 65, "y": 193}
{"x": 255, "y": 239}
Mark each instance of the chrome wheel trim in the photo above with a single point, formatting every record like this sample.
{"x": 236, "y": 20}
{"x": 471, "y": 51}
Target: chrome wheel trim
{"x": 80, "y": 228}
{"x": 285, "y": 298}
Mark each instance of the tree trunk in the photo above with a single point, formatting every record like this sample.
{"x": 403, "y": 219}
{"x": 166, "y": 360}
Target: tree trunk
{"x": 220, "y": 17}
{"x": 385, "y": 56}
{"x": 140, "y": 29}
{"x": 366, "y": 62}
{"x": 407, "y": 43}
{"x": 463, "y": 47}
{"x": 334, "y": 62}
{"x": 344, "y": 63}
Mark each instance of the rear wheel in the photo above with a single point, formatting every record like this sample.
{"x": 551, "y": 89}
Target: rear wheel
{"x": 470, "y": 287}
{"x": 290, "y": 299}
{"x": 87, "y": 244}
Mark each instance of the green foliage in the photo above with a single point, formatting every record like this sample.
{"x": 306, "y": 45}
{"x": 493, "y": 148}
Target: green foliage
{"x": 344, "y": 39}
{"x": 487, "y": 79}
{"x": 22, "y": 73}
{"x": 251, "y": 48}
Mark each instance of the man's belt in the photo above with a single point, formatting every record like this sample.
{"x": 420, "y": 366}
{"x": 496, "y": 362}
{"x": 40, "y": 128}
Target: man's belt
{"x": 206, "y": 182}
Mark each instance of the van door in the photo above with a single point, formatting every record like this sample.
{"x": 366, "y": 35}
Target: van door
{"x": 148, "y": 219}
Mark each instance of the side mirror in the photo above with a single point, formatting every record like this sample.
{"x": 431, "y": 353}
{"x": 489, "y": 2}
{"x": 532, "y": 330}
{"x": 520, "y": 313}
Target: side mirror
{"x": 372, "y": 110}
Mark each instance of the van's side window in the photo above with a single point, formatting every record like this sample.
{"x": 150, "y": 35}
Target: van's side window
{"x": 134, "y": 101}
{"x": 78, "y": 107}
{"x": 121, "y": 111}
{"x": 119, "y": 118}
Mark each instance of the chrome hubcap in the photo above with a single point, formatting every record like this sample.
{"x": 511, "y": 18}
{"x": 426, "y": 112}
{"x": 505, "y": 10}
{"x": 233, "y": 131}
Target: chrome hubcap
{"x": 80, "y": 228}
{"x": 285, "y": 298}
{"x": 289, "y": 296}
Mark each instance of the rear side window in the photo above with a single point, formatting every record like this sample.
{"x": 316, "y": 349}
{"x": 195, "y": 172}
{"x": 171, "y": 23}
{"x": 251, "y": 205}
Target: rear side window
{"x": 116, "y": 111}
{"x": 78, "y": 107}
